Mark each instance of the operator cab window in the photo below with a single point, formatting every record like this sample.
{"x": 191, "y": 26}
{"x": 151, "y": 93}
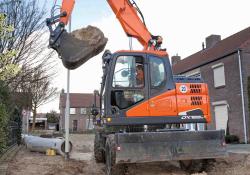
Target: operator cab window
{"x": 129, "y": 72}
{"x": 157, "y": 73}
{"x": 128, "y": 82}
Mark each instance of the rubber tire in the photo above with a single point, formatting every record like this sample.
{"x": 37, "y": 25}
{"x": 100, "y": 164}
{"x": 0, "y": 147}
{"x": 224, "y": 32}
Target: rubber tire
{"x": 110, "y": 156}
{"x": 192, "y": 166}
{"x": 99, "y": 154}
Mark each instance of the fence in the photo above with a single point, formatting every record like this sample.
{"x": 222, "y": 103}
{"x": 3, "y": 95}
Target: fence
{"x": 12, "y": 133}
{"x": 12, "y": 136}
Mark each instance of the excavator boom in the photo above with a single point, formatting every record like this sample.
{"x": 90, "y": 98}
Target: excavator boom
{"x": 126, "y": 12}
{"x": 67, "y": 7}
{"x": 133, "y": 26}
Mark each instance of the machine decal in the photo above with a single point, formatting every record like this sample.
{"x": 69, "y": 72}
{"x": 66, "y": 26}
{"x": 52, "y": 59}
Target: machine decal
{"x": 183, "y": 89}
{"x": 191, "y": 117}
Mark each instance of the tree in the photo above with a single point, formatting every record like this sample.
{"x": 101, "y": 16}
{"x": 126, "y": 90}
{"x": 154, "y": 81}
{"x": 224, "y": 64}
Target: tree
{"x": 41, "y": 91}
{"x": 7, "y": 68}
{"x": 52, "y": 117}
{"x": 27, "y": 19}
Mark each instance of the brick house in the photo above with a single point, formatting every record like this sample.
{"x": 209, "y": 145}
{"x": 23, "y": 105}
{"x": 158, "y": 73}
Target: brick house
{"x": 225, "y": 66}
{"x": 80, "y": 107}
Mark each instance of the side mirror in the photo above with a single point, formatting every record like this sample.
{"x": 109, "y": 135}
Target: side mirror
{"x": 94, "y": 112}
{"x": 124, "y": 73}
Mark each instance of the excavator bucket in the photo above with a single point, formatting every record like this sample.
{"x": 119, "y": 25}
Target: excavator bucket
{"x": 79, "y": 46}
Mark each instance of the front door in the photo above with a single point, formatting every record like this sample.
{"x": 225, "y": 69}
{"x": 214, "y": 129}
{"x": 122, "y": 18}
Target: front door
{"x": 221, "y": 117}
{"x": 74, "y": 125}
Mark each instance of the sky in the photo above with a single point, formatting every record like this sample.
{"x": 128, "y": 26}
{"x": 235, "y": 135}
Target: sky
{"x": 183, "y": 24}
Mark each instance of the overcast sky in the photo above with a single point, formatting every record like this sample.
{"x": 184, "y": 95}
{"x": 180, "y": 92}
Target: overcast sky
{"x": 184, "y": 25}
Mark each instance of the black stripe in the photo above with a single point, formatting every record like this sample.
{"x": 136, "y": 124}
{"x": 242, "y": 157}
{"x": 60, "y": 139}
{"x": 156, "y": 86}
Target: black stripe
{"x": 117, "y": 121}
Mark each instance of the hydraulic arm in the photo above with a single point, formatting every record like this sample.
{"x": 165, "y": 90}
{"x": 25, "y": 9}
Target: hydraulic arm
{"x": 127, "y": 13}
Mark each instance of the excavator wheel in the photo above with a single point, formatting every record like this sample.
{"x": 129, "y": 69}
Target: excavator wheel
{"x": 98, "y": 151}
{"x": 111, "y": 167}
{"x": 192, "y": 166}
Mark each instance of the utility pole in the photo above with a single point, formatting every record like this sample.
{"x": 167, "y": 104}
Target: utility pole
{"x": 67, "y": 110}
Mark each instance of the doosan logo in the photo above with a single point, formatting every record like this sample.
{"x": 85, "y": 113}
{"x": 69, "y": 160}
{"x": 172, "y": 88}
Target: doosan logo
{"x": 183, "y": 89}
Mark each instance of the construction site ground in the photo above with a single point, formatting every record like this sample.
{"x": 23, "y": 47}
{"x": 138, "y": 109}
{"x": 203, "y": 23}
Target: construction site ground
{"x": 82, "y": 162}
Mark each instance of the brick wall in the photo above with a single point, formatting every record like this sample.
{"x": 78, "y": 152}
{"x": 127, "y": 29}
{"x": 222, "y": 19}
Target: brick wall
{"x": 245, "y": 55}
{"x": 230, "y": 93}
{"x": 81, "y": 120}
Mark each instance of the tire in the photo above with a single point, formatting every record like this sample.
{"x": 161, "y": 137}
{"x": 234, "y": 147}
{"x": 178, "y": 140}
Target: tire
{"x": 192, "y": 166}
{"x": 98, "y": 151}
{"x": 110, "y": 155}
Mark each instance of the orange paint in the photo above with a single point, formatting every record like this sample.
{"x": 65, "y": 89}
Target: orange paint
{"x": 130, "y": 21}
{"x": 67, "y": 6}
{"x": 174, "y": 102}
{"x": 140, "y": 110}
{"x": 194, "y": 97}
{"x": 163, "y": 104}
{"x": 154, "y": 52}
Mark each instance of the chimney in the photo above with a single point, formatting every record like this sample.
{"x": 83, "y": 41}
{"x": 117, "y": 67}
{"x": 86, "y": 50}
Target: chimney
{"x": 212, "y": 40}
{"x": 175, "y": 59}
{"x": 203, "y": 46}
{"x": 62, "y": 91}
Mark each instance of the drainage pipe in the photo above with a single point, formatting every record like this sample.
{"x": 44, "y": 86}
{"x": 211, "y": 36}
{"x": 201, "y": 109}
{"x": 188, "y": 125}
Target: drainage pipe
{"x": 39, "y": 144}
{"x": 242, "y": 99}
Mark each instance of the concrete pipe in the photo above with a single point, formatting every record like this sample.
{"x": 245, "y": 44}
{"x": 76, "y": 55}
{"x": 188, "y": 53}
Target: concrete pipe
{"x": 39, "y": 144}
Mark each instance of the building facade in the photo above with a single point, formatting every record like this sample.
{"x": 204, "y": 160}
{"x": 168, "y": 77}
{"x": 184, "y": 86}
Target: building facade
{"x": 225, "y": 66}
{"x": 80, "y": 118}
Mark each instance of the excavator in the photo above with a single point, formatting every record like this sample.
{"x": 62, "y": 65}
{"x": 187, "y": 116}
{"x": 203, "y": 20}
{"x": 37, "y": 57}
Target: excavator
{"x": 145, "y": 111}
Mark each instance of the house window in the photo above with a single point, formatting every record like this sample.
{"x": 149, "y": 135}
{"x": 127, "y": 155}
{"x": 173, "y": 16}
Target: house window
{"x": 72, "y": 111}
{"x": 83, "y": 111}
{"x": 219, "y": 75}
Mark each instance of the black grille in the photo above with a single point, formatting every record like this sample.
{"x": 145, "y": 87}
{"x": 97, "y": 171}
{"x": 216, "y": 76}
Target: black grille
{"x": 196, "y": 100}
{"x": 195, "y": 88}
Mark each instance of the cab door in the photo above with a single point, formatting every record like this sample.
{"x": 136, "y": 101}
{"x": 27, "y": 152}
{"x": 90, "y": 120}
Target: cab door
{"x": 162, "y": 95}
{"x": 129, "y": 92}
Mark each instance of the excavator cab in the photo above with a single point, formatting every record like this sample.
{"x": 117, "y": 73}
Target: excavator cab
{"x": 140, "y": 89}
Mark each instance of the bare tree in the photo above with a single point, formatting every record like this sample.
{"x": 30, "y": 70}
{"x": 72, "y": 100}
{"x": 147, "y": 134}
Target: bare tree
{"x": 40, "y": 90}
{"x": 27, "y": 17}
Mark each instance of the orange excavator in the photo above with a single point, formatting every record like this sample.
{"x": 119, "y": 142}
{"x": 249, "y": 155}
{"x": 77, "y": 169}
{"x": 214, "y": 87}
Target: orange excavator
{"x": 147, "y": 114}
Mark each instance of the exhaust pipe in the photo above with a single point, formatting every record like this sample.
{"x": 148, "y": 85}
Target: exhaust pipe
{"x": 39, "y": 144}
